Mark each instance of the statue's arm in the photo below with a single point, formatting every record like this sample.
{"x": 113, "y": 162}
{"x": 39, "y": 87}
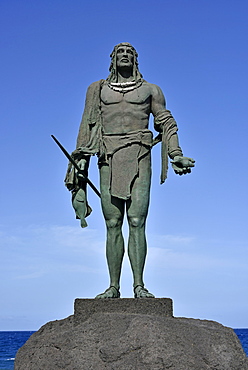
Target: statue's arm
{"x": 88, "y": 136}
{"x": 165, "y": 123}
{"x": 79, "y": 155}
{"x": 157, "y": 100}
{"x": 164, "y": 119}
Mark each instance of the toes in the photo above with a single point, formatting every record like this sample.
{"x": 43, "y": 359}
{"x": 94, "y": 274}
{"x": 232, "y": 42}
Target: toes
{"x": 111, "y": 292}
{"x": 141, "y": 292}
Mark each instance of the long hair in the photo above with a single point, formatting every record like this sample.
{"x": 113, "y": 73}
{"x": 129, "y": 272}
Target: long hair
{"x": 113, "y": 66}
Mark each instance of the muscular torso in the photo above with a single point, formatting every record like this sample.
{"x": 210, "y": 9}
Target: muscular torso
{"x": 122, "y": 113}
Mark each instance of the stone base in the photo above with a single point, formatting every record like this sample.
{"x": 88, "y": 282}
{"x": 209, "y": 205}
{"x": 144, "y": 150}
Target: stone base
{"x": 84, "y": 308}
{"x": 131, "y": 334}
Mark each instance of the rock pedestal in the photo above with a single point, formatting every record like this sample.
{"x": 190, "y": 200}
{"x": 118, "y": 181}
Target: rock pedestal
{"x": 131, "y": 334}
{"x": 84, "y": 308}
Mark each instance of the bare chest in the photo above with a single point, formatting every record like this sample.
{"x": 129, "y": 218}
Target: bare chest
{"x": 125, "y": 112}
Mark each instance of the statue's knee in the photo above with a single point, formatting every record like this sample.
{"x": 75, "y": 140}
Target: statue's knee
{"x": 136, "y": 221}
{"x": 113, "y": 222}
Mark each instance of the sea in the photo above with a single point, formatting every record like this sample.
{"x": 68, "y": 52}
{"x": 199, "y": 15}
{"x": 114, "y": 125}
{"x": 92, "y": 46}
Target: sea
{"x": 11, "y": 341}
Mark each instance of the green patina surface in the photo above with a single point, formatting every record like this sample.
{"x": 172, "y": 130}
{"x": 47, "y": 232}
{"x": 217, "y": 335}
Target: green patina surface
{"x": 115, "y": 128}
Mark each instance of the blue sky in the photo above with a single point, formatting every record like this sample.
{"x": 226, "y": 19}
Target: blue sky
{"x": 196, "y": 51}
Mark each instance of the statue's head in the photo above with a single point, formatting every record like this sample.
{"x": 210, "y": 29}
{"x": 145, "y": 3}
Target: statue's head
{"x": 131, "y": 61}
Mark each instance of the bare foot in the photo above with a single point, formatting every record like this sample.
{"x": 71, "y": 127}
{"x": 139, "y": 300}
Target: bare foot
{"x": 111, "y": 292}
{"x": 141, "y": 292}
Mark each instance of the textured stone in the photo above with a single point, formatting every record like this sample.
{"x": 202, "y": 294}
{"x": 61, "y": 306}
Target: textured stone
{"x": 132, "y": 341}
{"x": 84, "y": 308}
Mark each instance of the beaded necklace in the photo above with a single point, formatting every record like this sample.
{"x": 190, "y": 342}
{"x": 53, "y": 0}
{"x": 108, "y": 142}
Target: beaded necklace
{"x": 124, "y": 87}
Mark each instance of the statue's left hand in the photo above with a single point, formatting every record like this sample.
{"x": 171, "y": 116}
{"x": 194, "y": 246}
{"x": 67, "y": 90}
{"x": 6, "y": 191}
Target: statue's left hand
{"x": 182, "y": 165}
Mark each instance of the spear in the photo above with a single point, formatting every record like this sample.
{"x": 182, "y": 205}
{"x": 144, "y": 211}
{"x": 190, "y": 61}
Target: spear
{"x": 76, "y": 166}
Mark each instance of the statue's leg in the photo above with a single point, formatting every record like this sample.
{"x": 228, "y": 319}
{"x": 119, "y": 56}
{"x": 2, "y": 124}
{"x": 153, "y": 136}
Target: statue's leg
{"x": 137, "y": 209}
{"x": 113, "y": 211}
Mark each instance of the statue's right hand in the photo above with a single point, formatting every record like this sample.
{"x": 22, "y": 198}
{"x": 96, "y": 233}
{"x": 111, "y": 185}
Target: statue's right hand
{"x": 81, "y": 165}
{"x": 76, "y": 153}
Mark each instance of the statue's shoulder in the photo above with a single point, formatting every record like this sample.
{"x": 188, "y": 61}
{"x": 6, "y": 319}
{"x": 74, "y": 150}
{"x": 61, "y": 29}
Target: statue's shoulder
{"x": 153, "y": 89}
{"x": 95, "y": 85}
{"x": 93, "y": 95}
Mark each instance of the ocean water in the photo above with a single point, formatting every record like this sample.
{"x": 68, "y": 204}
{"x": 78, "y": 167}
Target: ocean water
{"x": 11, "y": 341}
{"x": 243, "y": 337}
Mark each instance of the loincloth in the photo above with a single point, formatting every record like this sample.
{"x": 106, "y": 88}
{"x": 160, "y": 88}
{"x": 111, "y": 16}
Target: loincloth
{"x": 123, "y": 153}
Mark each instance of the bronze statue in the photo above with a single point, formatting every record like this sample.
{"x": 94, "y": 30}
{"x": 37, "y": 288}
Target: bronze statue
{"x": 115, "y": 127}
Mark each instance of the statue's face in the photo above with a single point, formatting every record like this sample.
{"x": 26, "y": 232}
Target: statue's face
{"x": 124, "y": 57}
